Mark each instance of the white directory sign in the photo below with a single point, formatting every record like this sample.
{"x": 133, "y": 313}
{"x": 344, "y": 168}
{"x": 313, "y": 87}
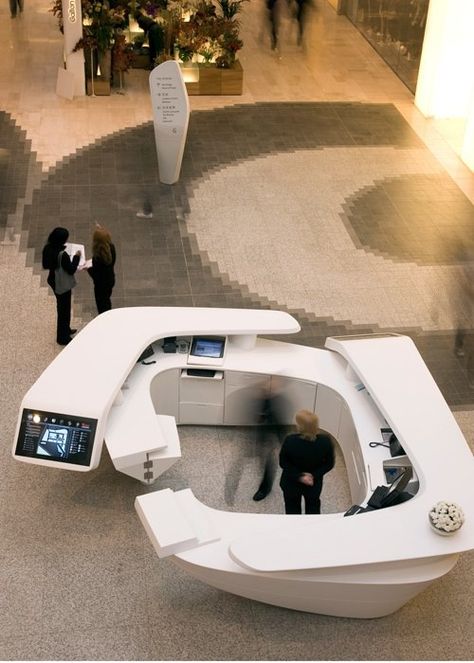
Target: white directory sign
{"x": 170, "y": 103}
{"x": 74, "y": 80}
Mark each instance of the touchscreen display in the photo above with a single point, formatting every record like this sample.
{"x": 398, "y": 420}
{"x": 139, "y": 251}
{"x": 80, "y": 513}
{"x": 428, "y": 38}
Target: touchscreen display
{"x": 208, "y": 347}
{"x": 57, "y": 437}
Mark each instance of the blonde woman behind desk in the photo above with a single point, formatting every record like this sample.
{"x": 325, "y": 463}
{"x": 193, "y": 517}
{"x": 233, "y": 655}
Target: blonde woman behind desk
{"x": 305, "y": 457}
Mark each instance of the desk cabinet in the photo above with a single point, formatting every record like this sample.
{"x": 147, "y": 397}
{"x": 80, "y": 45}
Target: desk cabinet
{"x": 243, "y": 392}
{"x": 164, "y": 391}
{"x": 336, "y": 418}
{"x": 296, "y": 395}
{"x": 201, "y": 400}
{"x": 328, "y": 409}
{"x": 353, "y": 457}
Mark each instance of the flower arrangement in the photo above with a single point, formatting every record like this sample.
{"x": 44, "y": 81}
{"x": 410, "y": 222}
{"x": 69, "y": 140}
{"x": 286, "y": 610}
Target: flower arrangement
{"x": 210, "y": 29}
{"x": 229, "y": 44}
{"x": 57, "y": 11}
{"x": 188, "y": 41}
{"x": 101, "y": 21}
{"x": 121, "y": 54}
{"x": 446, "y": 517}
{"x": 197, "y": 30}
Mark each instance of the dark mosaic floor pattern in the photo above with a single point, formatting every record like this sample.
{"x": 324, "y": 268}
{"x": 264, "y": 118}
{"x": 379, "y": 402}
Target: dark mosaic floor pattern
{"x": 418, "y": 218}
{"x": 14, "y": 162}
{"x": 159, "y": 262}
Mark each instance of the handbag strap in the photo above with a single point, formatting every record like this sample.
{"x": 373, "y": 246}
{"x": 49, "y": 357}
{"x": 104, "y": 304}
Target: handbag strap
{"x": 60, "y": 257}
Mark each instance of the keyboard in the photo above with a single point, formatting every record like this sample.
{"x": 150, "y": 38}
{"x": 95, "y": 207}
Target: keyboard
{"x": 201, "y": 372}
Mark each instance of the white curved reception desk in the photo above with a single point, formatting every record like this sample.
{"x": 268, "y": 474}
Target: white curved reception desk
{"x": 366, "y": 565}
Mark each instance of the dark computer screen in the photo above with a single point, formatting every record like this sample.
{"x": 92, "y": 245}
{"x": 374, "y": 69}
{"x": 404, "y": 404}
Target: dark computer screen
{"x": 208, "y": 346}
{"x": 57, "y": 437}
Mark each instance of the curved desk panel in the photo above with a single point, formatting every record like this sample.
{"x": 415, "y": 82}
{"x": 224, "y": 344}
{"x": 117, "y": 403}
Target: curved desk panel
{"x": 362, "y": 566}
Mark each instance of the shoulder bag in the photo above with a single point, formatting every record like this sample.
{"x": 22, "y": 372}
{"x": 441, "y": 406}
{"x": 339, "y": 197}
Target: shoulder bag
{"x": 62, "y": 280}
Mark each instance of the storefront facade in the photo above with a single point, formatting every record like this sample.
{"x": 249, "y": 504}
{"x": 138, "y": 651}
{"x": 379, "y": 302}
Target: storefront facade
{"x": 396, "y": 29}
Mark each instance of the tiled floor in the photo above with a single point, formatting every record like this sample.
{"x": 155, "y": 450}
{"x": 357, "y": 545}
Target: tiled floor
{"x": 321, "y": 191}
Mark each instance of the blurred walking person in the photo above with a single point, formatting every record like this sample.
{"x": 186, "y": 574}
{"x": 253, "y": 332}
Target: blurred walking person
{"x": 273, "y": 18}
{"x": 270, "y": 417}
{"x": 463, "y": 302}
{"x": 301, "y": 15}
{"x": 15, "y": 6}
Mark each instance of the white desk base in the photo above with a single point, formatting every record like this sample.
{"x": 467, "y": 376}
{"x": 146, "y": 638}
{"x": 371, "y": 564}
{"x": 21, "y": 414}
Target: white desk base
{"x": 366, "y": 565}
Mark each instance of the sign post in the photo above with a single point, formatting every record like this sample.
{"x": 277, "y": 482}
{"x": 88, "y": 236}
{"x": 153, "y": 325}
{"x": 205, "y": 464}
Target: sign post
{"x": 72, "y": 23}
{"x": 171, "y": 111}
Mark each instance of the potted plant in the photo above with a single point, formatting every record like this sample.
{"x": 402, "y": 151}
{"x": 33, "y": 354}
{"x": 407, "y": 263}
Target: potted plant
{"x": 122, "y": 56}
{"x": 188, "y": 40}
{"x": 100, "y": 22}
{"x": 229, "y": 43}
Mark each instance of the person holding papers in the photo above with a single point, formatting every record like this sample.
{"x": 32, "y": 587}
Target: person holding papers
{"x": 61, "y": 280}
{"x": 102, "y": 269}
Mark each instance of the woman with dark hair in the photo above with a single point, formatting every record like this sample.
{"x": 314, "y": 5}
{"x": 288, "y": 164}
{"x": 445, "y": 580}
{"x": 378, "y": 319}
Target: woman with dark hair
{"x": 61, "y": 280}
{"x": 305, "y": 457}
{"x": 102, "y": 270}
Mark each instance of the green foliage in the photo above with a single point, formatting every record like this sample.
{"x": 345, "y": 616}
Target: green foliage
{"x": 100, "y": 22}
{"x": 207, "y": 28}
{"x": 230, "y": 8}
{"x": 122, "y": 54}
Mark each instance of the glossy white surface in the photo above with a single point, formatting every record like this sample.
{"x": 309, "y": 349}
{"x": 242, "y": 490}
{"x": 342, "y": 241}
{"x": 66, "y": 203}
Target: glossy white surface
{"x": 101, "y": 356}
{"x": 363, "y": 566}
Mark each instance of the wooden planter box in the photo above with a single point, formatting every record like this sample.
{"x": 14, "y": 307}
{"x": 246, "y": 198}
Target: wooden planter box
{"x": 140, "y": 61}
{"x": 101, "y": 87}
{"x": 214, "y": 80}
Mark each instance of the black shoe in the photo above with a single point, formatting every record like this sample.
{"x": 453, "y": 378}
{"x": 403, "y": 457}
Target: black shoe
{"x": 64, "y": 342}
{"x": 259, "y": 495}
{"x": 72, "y": 332}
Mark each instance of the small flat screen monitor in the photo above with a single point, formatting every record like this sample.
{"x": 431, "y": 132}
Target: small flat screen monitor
{"x": 56, "y": 437}
{"x": 207, "y": 346}
{"x": 392, "y": 473}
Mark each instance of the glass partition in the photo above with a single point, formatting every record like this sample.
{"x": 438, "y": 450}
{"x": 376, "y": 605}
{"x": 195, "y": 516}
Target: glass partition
{"x": 395, "y": 28}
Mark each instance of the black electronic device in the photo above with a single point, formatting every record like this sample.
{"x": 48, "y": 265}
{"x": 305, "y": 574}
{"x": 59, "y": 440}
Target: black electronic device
{"x": 395, "y": 494}
{"x": 201, "y": 372}
{"x": 169, "y": 344}
{"x": 147, "y": 352}
{"x": 377, "y": 497}
{"x": 392, "y": 472}
{"x": 208, "y": 346}
{"x": 396, "y": 448}
{"x": 385, "y": 496}
{"x": 356, "y": 508}
{"x": 53, "y": 436}
{"x": 390, "y": 440}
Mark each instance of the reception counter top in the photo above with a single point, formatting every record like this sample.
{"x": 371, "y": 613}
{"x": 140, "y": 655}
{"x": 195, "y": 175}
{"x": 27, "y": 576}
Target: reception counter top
{"x": 364, "y": 566}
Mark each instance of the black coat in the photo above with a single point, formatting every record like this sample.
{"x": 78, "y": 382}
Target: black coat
{"x": 51, "y": 262}
{"x": 103, "y": 274}
{"x": 299, "y": 456}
